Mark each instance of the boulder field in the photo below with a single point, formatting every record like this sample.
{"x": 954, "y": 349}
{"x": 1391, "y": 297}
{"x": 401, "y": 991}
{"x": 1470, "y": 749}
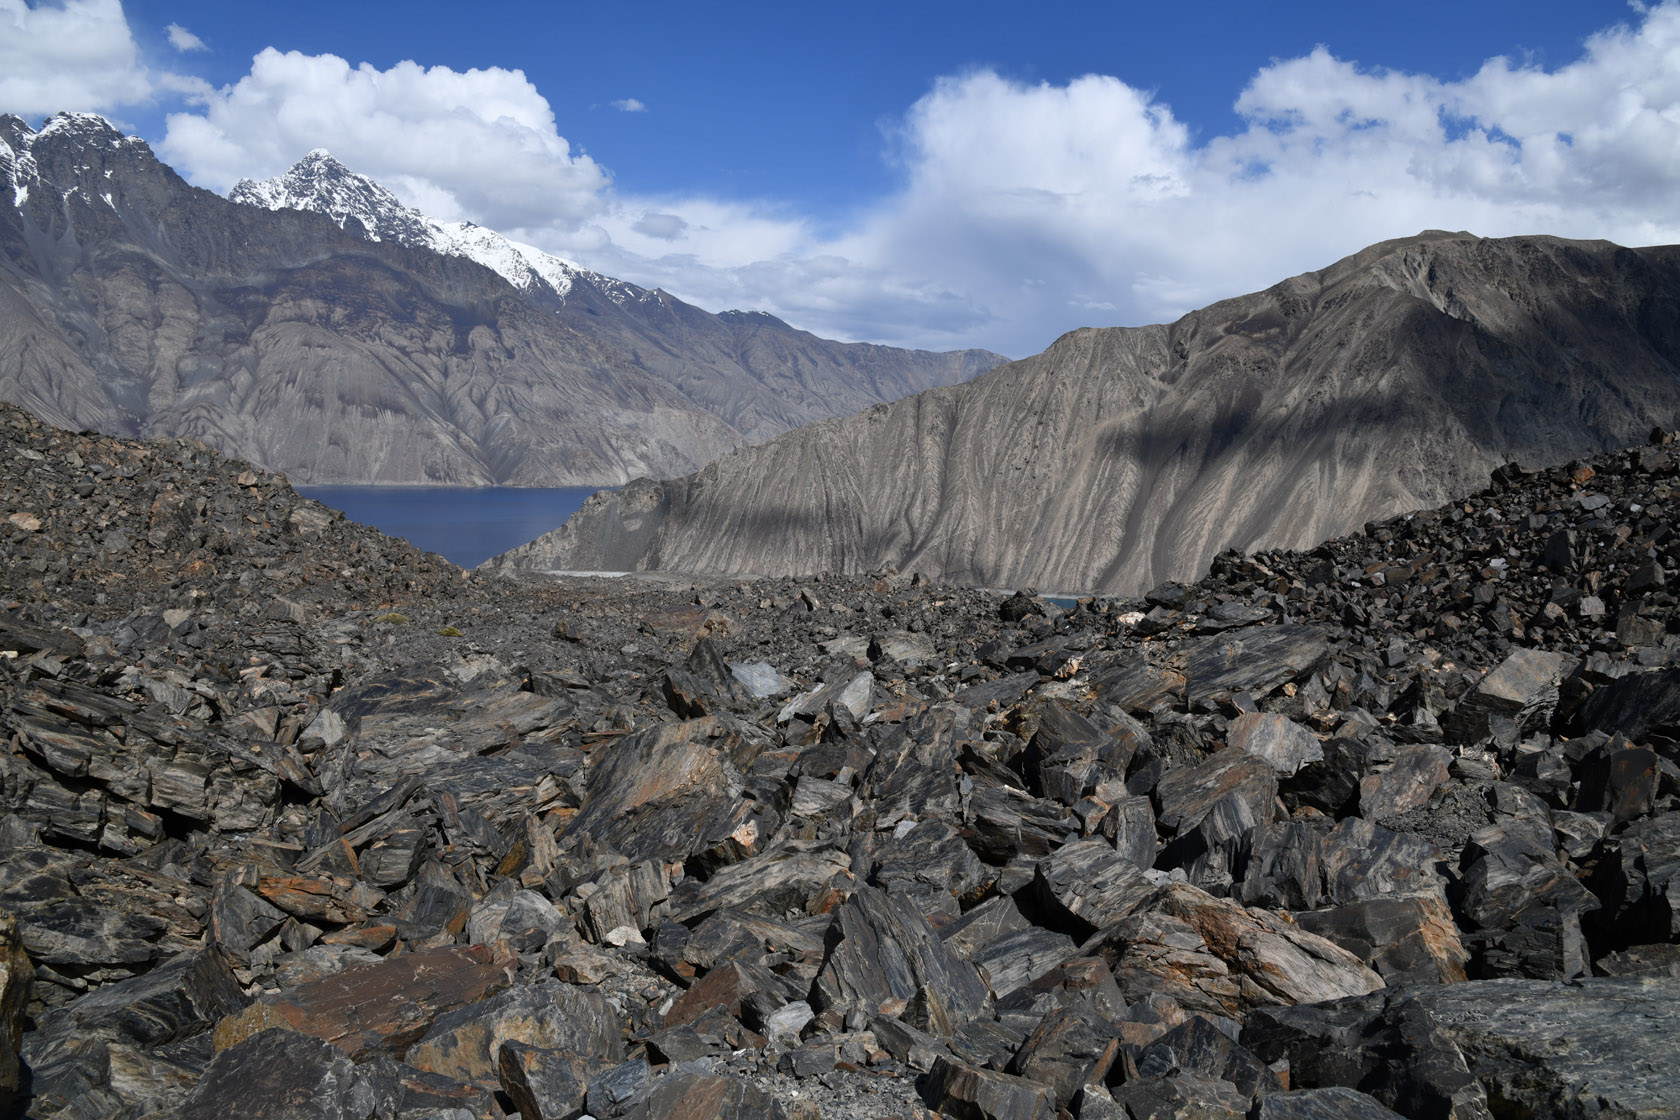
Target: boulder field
{"x": 301, "y": 822}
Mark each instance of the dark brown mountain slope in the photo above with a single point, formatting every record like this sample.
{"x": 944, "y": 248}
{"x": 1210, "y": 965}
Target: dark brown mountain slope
{"x": 1118, "y": 458}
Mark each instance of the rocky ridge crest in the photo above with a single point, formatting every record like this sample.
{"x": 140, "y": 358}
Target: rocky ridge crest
{"x": 1123, "y": 457}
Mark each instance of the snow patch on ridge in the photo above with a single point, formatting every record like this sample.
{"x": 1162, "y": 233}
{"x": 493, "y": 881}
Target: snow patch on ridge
{"x": 318, "y": 183}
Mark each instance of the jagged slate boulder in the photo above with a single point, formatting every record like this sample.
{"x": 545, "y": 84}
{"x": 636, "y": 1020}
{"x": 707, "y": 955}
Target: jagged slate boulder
{"x": 1285, "y": 867}
{"x": 1199, "y": 1047}
{"x": 784, "y": 878}
{"x": 1087, "y": 885}
{"x": 1069, "y": 755}
{"x": 855, "y": 694}
{"x": 1387, "y": 1045}
{"x": 728, "y": 986}
{"x": 1215, "y": 957}
{"x": 1639, "y": 705}
{"x": 663, "y": 793}
{"x": 1405, "y": 940}
{"x": 279, "y": 1074}
{"x": 182, "y": 997}
{"x": 1518, "y": 696}
{"x": 464, "y": 1043}
{"x": 1619, "y": 780}
{"x": 402, "y": 1091}
{"x": 376, "y": 1008}
{"x": 934, "y": 865}
{"x": 1256, "y": 660}
{"x": 953, "y": 1088}
{"x": 1525, "y": 901}
{"x": 696, "y": 1095}
{"x": 883, "y": 958}
{"x": 1130, "y": 825}
{"x": 15, "y": 975}
{"x": 1367, "y": 860}
{"x": 1285, "y": 745}
{"x": 1005, "y": 824}
{"x": 80, "y": 932}
{"x": 1073, "y": 1047}
{"x": 915, "y": 769}
{"x": 1407, "y": 783}
{"x": 1530, "y": 1047}
{"x": 240, "y": 918}
{"x": 1180, "y": 1095}
{"x": 1186, "y": 794}
{"x": 1010, "y": 961}
{"x": 1638, "y": 880}
{"x": 543, "y": 1084}
{"x": 1336, "y": 1103}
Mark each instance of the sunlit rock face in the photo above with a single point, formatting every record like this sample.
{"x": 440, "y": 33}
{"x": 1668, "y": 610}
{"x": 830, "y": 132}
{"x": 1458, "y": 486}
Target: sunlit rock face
{"x": 1122, "y": 457}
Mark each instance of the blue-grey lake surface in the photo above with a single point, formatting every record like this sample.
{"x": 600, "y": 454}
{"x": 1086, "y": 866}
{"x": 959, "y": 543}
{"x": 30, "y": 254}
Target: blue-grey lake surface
{"x": 466, "y": 525}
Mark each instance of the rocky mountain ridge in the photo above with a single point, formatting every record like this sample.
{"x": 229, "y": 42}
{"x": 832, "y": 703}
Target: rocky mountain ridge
{"x": 1121, "y": 457}
{"x": 132, "y": 303}
{"x": 295, "y": 814}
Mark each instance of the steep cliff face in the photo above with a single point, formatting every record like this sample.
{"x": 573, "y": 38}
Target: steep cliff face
{"x": 134, "y": 304}
{"x": 1118, "y": 458}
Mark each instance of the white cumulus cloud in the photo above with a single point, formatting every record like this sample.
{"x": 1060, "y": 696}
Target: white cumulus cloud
{"x": 183, "y": 40}
{"x": 480, "y": 145}
{"x": 78, "y": 55}
{"x": 629, "y": 105}
{"x": 1023, "y": 209}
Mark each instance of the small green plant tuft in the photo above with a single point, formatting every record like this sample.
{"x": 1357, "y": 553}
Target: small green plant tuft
{"x": 449, "y": 632}
{"x": 396, "y": 618}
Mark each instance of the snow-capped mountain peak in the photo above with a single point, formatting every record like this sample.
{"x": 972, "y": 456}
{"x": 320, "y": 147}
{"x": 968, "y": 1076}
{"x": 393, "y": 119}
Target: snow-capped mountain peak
{"x": 321, "y": 184}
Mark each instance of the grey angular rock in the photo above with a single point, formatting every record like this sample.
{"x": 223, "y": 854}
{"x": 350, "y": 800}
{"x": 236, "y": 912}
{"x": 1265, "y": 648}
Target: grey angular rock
{"x": 884, "y": 959}
{"x": 280, "y": 1075}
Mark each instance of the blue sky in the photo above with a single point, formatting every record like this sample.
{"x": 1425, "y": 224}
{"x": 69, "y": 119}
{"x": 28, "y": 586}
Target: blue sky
{"x": 924, "y": 174}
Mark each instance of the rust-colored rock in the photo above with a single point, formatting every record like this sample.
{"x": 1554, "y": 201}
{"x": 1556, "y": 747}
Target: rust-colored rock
{"x": 380, "y": 1008}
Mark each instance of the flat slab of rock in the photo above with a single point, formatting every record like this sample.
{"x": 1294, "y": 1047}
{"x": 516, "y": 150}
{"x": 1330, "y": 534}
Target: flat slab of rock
{"x": 379, "y": 1008}
{"x": 1285, "y": 745}
{"x": 1090, "y": 885}
{"x": 279, "y": 1074}
{"x": 1522, "y": 693}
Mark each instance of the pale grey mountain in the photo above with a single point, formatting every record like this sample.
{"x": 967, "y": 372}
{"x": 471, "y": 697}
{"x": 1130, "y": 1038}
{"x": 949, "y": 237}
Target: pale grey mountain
{"x": 1119, "y": 458}
{"x": 754, "y": 371}
{"x": 134, "y": 304}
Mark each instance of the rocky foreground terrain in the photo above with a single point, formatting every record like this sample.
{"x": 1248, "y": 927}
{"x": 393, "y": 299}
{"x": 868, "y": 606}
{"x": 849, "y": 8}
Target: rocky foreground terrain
{"x": 301, "y": 822}
{"x": 1123, "y": 457}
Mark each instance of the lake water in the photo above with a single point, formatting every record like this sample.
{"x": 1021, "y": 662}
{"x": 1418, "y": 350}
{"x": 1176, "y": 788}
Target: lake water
{"x": 466, "y": 525}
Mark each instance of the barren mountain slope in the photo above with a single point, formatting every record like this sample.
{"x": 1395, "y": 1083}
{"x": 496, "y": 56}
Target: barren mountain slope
{"x": 134, "y": 304}
{"x": 760, "y": 375}
{"x": 1122, "y": 457}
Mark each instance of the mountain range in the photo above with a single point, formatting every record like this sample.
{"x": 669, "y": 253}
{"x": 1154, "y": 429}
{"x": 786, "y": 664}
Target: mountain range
{"x": 1119, "y": 458}
{"x": 315, "y": 325}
